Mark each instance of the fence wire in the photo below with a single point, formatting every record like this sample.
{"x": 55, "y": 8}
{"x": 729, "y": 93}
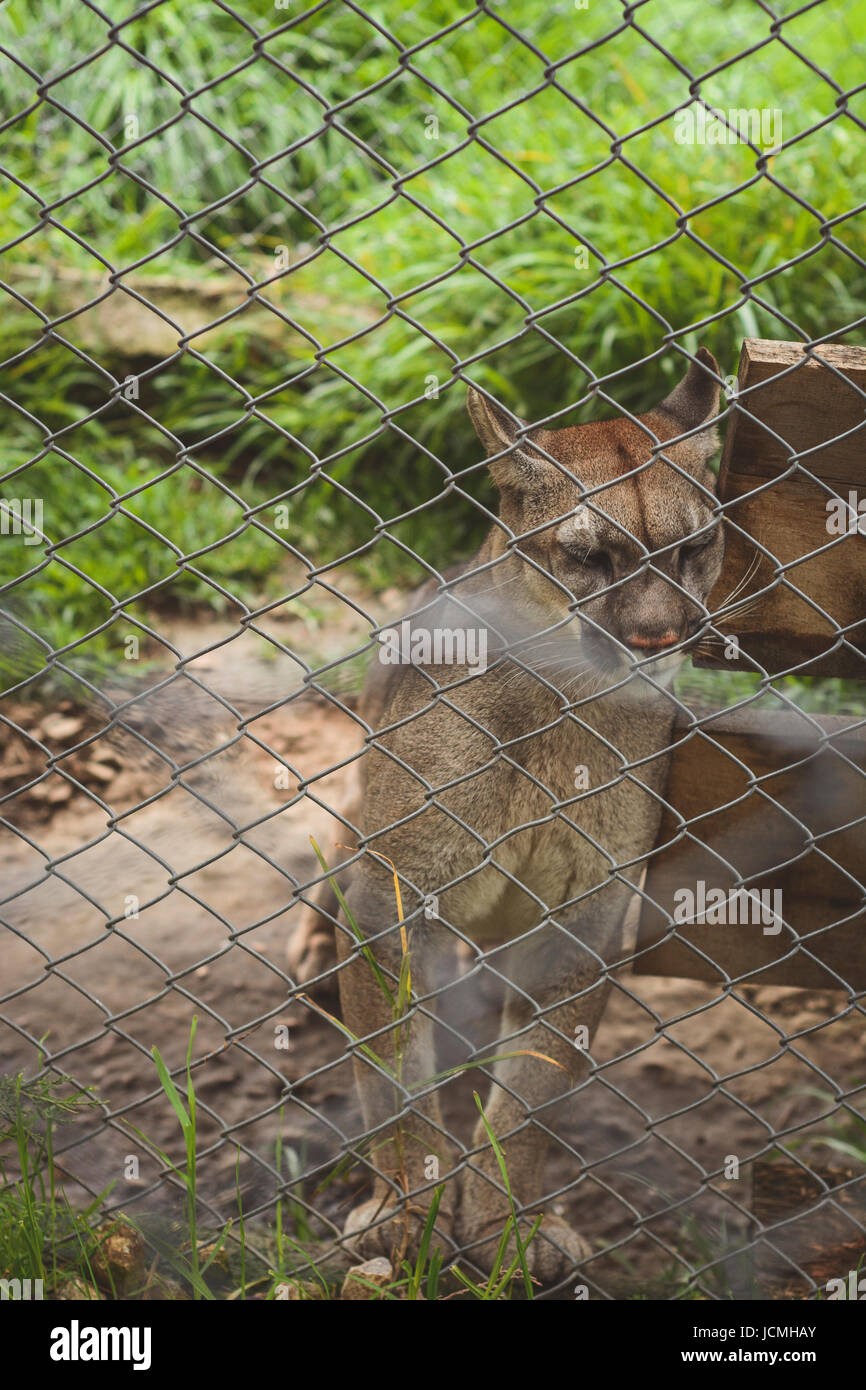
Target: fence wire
{"x": 99, "y": 868}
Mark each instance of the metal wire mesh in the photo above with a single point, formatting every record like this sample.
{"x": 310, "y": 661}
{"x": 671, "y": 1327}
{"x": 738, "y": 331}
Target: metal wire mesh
{"x": 191, "y": 817}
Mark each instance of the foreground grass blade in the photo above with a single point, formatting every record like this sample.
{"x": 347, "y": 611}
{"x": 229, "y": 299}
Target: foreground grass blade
{"x": 500, "y": 1159}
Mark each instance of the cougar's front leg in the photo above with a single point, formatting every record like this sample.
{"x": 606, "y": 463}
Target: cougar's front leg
{"x": 531, "y": 1089}
{"x": 408, "y": 1149}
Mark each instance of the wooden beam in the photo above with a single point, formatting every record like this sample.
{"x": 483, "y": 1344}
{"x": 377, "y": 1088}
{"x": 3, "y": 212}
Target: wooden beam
{"x": 774, "y": 802}
{"x": 789, "y": 402}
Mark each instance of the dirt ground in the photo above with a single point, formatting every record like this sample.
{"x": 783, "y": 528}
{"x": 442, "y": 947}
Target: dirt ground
{"x": 690, "y": 1076}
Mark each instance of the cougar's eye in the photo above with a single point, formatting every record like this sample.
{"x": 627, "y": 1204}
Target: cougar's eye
{"x": 694, "y": 547}
{"x": 594, "y": 563}
{"x": 597, "y": 560}
{"x": 597, "y": 564}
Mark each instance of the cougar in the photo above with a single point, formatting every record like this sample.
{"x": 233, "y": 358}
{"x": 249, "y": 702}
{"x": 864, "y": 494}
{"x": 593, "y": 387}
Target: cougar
{"x": 518, "y": 797}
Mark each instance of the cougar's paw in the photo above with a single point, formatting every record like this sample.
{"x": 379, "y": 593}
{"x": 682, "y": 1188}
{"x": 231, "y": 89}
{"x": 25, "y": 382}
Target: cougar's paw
{"x": 377, "y": 1228}
{"x": 555, "y": 1252}
{"x": 310, "y": 951}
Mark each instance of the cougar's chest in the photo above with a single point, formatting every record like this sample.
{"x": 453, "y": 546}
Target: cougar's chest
{"x": 570, "y": 808}
{"x": 602, "y": 796}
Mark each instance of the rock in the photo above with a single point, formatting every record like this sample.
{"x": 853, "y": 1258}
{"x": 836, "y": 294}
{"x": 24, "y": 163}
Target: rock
{"x": 13, "y": 770}
{"x": 120, "y": 1260}
{"x": 218, "y": 1270}
{"x": 377, "y": 1272}
{"x": 303, "y": 1291}
{"x": 100, "y": 753}
{"x": 100, "y": 772}
{"x": 76, "y": 1289}
{"x": 60, "y": 727}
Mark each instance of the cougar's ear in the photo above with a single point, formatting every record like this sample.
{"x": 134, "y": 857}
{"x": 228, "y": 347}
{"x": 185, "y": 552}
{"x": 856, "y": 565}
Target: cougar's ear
{"x": 695, "y": 401}
{"x": 497, "y": 430}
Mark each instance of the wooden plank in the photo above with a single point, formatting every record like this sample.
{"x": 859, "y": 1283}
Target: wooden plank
{"x": 809, "y": 405}
{"x": 771, "y": 801}
{"x": 807, "y": 402}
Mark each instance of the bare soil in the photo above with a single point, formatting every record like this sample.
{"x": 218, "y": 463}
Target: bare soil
{"x": 135, "y": 901}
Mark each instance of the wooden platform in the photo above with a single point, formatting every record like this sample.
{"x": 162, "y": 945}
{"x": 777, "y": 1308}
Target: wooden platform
{"x": 777, "y": 801}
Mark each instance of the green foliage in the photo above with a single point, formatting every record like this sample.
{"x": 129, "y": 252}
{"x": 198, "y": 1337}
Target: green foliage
{"x": 408, "y": 256}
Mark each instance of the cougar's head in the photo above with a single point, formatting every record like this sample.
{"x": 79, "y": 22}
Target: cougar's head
{"x": 617, "y": 546}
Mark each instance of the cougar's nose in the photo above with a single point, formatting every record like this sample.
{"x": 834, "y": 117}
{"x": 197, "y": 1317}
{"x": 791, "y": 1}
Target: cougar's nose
{"x": 650, "y": 643}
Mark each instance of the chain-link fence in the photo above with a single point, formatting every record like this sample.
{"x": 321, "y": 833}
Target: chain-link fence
{"x": 252, "y": 264}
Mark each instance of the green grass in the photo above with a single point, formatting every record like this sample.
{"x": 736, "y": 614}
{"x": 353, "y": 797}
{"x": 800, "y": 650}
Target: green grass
{"x": 42, "y": 1236}
{"x": 715, "y": 689}
{"x": 256, "y": 413}
{"x": 843, "y": 1129}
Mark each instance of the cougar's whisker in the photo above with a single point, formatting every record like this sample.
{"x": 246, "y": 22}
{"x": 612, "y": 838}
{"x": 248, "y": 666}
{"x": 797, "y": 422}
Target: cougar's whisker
{"x": 477, "y": 593}
{"x": 750, "y": 571}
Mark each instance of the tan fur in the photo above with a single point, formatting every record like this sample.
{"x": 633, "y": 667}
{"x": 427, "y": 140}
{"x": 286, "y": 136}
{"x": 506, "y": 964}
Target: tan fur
{"x": 469, "y": 788}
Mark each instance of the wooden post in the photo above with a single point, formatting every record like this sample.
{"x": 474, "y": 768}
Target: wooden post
{"x": 795, "y": 443}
